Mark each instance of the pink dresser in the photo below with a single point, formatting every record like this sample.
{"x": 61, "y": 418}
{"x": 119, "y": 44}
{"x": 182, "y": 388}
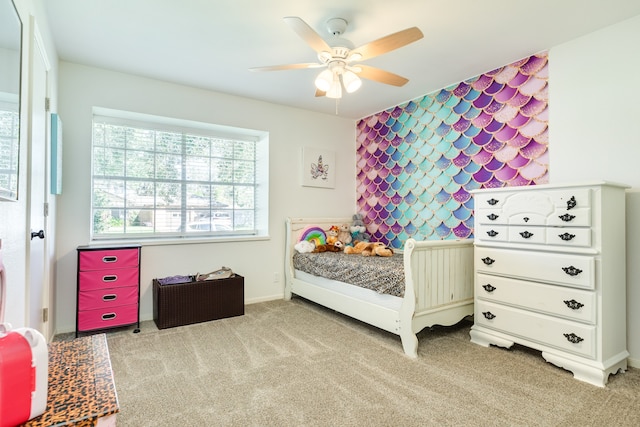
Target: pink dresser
{"x": 108, "y": 288}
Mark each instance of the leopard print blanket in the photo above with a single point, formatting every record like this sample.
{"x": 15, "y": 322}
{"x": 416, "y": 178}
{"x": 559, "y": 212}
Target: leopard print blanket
{"x": 384, "y": 275}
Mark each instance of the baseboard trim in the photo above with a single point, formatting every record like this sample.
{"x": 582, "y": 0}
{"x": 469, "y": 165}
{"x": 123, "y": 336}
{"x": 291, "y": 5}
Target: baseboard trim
{"x": 634, "y": 363}
{"x": 263, "y": 299}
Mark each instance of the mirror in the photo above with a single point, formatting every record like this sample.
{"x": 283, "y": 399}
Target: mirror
{"x": 10, "y": 63}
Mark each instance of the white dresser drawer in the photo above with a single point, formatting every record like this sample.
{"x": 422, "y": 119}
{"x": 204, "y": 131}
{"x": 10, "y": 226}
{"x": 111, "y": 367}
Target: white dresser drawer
{"x": 570, "y": 303}
{"x": 570, "y": 270}
{"x": 579, "y": 217}
{"x": 492, "y": 233}
{"x": 573, "y": 337}
{"x": 528, "y": 234}
{"x": 558, "y": 236}
{"x": 570, "y": 237}
{"x": 490, "y": 216}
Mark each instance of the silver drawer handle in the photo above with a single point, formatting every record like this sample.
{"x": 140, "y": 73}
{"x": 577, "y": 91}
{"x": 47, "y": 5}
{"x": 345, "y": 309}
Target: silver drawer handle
{"x": 109, "y": 258}
{"x": 567, "y": 217}
{"x": 573, "y": 338}
{"x": 109, "y": 297}
{"x": 110, "y": 278}
{"x": 571, "y": 270}
{"x": 566, "y": 236}
{"x": 573, "y": 304}
{"x": 489, "y": 288}
{"x": 108, "y": 316}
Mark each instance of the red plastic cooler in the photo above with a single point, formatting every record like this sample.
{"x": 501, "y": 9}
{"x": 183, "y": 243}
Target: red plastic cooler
{"x": 23, "y": 375}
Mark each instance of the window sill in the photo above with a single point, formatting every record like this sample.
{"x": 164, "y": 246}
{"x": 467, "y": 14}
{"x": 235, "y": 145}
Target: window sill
{"x": 179, "y": 241}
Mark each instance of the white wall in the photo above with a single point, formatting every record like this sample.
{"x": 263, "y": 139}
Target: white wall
{"x": 82, "y": 88}
{"x": 594, "y": 100}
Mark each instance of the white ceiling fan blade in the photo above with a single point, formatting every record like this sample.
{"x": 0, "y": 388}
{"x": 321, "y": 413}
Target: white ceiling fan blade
{"x": 307, "y": 33}
{"x": 288, "y": 67}
{"x": 382, "y": 76}
{"x": 388, "y": 43}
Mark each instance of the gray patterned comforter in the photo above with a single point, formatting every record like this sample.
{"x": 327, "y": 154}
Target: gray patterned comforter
{"x": 384, "y": 275}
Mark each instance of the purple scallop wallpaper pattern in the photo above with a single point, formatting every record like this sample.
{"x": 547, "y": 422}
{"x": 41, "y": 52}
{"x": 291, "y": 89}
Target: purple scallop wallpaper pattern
{"x": 417, "y": 162}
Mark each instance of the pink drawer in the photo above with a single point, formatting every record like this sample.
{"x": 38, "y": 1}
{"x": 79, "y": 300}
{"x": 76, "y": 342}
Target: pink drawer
{"x": 107, "y": 318}
{"x": 105, "y": 298}
{"x": 108, "y": 259}
{"x": 93, "y": 280}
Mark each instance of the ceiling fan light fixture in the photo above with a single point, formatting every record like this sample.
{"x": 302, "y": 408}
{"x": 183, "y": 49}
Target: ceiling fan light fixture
{"x": 335, "y": 91}
{"x": 324, "y": 80}
{"x": 351, "y": 81}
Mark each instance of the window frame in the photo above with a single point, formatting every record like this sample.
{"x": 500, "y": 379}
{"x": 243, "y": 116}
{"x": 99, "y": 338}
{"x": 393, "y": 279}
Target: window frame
{"x": 187, "y": 129}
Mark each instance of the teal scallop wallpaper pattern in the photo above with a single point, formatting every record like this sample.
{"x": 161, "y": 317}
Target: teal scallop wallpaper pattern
{"x": 417, "y": 162}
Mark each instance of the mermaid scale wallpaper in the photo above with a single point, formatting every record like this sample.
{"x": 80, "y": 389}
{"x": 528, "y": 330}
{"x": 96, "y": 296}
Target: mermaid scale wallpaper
{"x": 417, "y": 162}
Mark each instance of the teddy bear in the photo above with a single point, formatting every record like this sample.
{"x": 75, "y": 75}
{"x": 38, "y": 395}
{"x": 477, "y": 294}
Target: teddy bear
{"x": 358, "y": 230}
{"x": 369, "y": 249}
{"x": 332, "y": 234}
{"x": 328, "y": 247}
{"x": 304, "y": 246}
{"x": 344, "y": 234}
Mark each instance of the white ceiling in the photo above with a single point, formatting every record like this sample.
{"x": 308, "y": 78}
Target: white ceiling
{"x": 211, "y": 44}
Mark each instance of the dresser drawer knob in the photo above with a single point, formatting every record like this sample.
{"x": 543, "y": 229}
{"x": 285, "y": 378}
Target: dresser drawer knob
{"x": 108, "y": 316}
{"x": 525, "y": 219}
{"x": 493, "y": 217}
{"x": 567, "y": 217}
{"x": 112, "y": 297}
{"x": 492, "y": 201}
{"x": 488, "y": 261}
{"x": 573, "y": 338}
{"x": 571, "y": 270}
{"x": 573, "y": 304}
{"x": 109, "y": 258}
{"x": 492, "y": 233}
{"x": 571, "y": 203}
{"x": 489, "y": 288}
{"x": 488, "y": 315}
{"x": 110, "y": 278}
{"x": 526, "y": 235}
{"x": 566, "y": 236}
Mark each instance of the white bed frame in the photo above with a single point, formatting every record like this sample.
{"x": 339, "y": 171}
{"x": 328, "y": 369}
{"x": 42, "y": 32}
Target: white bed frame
{"x": 438, "y": 288}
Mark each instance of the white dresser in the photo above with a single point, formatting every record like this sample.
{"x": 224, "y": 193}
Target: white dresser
{"x": 550, "y": 274}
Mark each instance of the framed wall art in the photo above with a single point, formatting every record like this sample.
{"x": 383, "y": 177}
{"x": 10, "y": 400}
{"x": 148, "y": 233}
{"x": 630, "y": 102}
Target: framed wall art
{"x": 318, "y": 168}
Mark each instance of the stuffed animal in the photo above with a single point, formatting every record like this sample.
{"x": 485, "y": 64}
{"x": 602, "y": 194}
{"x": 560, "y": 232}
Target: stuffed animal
{"x": 336, "y": 247}
{"x": 358, "y": 230}
{"x": 332, "y": 234}
{"x": 304, "y": 246}
{"x": 369, "y": 249}
{"x": 344, "y": 235}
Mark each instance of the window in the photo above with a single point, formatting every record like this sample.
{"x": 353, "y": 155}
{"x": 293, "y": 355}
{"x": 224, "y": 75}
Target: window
{"x": 162, "y": 178}
{"x": 9, "y": 145}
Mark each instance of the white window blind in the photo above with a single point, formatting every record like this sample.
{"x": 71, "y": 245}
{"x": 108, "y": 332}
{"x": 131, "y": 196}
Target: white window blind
{"x": 155, "y": 178}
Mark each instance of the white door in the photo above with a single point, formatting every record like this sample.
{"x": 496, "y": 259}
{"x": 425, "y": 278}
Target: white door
{"x": 38, "y": 290}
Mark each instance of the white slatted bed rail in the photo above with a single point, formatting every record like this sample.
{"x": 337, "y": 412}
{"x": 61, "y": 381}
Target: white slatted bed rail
{"x": 438, "y": 286}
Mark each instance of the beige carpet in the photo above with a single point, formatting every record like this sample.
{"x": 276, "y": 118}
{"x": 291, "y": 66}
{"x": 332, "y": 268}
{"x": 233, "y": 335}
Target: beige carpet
{"x": 298, "y": 364}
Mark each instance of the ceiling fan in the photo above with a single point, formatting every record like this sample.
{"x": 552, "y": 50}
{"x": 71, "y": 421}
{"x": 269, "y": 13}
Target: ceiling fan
{"x": 337, "y": 55}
